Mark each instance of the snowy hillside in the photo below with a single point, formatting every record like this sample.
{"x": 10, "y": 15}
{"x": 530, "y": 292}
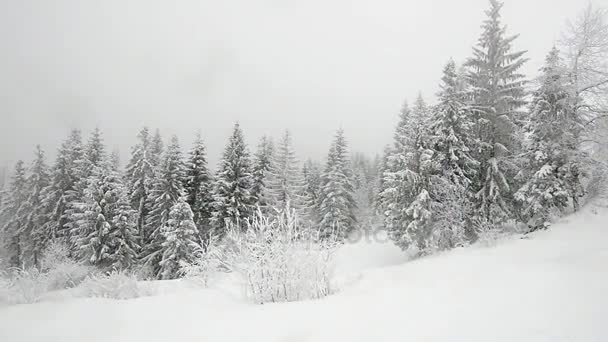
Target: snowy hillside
{"x": 550, "y": 286}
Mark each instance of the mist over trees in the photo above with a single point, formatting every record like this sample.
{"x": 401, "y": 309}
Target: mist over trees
{"x": 495, "y": 152}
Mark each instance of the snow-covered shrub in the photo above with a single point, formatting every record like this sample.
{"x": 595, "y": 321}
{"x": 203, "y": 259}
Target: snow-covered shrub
{"x": 61, "y": 271}
{"x": 115, "y": 285}
{"x": 22, "y": 286}
{"x": 279, "y": 260}
{"x": 205, "y": 264}
{"x": 489, "y": 233}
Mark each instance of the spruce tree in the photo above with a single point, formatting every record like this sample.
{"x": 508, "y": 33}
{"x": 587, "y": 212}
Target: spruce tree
{"x": 139, "y": 176}
{"x": 93, "y": 164}
{"x": 199, "y": 188}
{"x": 498, "y": 94}
{"x": 61, "y": 192}
{"x": 168, "y": 187}
{"x": 180, "y": 240}
{"x": 311, "y": 172}
{"x": 553, "y": 147}
{"x": 451, "y": 126}
{"x": 405, "y": 198}
{"x": 12, "y": 215}
{"x": 233, "y": 202}
{"x": 336, "y": 201}
{"x": 123, "y": 238}
{"x": 285, "y": 184}
{"x": 35, "y": 235}
{"x": 261, "y": 166}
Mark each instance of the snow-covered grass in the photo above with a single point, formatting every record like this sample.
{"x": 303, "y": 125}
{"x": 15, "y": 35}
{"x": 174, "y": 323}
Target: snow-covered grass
{"x": 545, "y": 286}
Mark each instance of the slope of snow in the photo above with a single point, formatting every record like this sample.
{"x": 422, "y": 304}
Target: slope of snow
{"x": 549, "y": 286}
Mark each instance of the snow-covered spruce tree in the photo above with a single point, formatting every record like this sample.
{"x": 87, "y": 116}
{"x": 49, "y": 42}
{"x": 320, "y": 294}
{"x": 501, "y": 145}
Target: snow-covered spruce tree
{"x": 61, "y": 192}
{"x": 12, "y": 215}
{"x": 498, "y": 95}
{"x": 35, "y": 235}
{"x": 157, "y": 149}
{"x": 553, "y": 148}
{"x": 406, "y": 180}
{"x": 139, "y": 176}
{"x": 167, "y": 188}
{"x": 233, "y": 203}
{"x": 451, "y": 126}
{"x": 89, "y": 168}
{"x": 261, "y": 166}
{"x": 285, "y": 184}
{"x": 199, "y": 188}
{"x": 114, "y": 160}
{"x": 418, "y": 214}
{"x": 311, "y": 171}
{"x": 122, "y": 238}
{"x": 336, "y": 201}
{"x": 453, "y": 142}
{"x": 99, "y": 238}
{"x": 180, "y": 241}
{"x": 364, "y": 183}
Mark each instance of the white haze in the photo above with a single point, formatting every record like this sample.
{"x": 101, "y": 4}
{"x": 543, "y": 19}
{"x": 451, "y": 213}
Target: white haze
{"x": 309, "y": 66}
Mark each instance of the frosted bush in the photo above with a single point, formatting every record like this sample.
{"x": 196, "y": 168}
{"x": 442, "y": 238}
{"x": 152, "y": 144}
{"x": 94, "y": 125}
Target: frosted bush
{"x": 279, "y": 260}
{"x": 21, "y": 286}
{"x": 61, "y": 271}
{"x": 115, "y": 285}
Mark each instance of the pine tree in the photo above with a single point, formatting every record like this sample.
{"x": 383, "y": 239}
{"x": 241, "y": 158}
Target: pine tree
{"x": 451, "y": 184}
{"x": 285, "y": 184}
{"x": 123, "y": 238}
{"x": 139, "y": 175}
{"x": 13, "y": 215}
{"x": 311, "y": 172}
{"x": 180, "y": 240}
{"x": 261, "y": 167}
{"x": 336, "y": 203}
{"x": 452, "y": 125}
{"x": 168, "y": 187}
{"x": 233, "y": 203}
{"x": 553, "y": 149}
{"x": 94, "y": 219}
{"x": 156, "y": 150}
{"x": 61, "y": 192}
{"x": 498, "y": 94}
{"x": 405, "y": 197}
{"x": 89, "y": 168}
{"x": 199, "y": 188}
{"x": 35, "y": 236}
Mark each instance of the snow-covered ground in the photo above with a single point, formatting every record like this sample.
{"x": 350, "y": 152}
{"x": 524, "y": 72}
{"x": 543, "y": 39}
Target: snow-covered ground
{"x": 549, "y": 286}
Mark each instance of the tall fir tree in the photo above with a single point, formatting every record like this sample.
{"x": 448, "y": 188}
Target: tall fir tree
{"x": 61, "y": 192}
{"x": 94, "y": 162}
{"x": 553, "y": 146}
{"x": 123, "y": 238}
{"x": 285, "y": 184}
{"x": 498, "y": 95}
{"x": 233, "y": 202}
{"x": 100, "y": 240}
{"x": 167, "y": 188}
{"x": 139, "y": 175}
{"x": 180, "y": 241}
{"x": 336, "y": 201}
{"x": 12, "y": 215}
{"x": 311, "y": 171}
{"x": 451, "y": 126}
{"x": 35, "y": 235}
{"x": 405, "y": 198}
{"x": 157, "y": 148}
{"x": 261, "y": 166}
{"x": 199, "y": 187}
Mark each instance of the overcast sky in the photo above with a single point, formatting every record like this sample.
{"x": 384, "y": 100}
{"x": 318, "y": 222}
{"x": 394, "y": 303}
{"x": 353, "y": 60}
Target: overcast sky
{"x": 310, "y": 66}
